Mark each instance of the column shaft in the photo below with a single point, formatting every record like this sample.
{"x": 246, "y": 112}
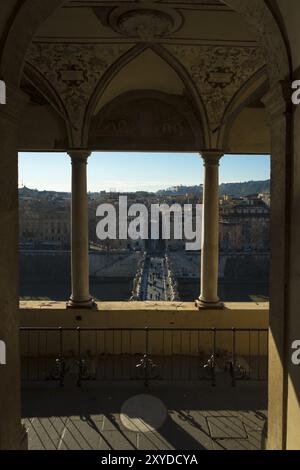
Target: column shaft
{"x": 80, "y": 297}
{"x": 210, "y": 233}
{"x": 283, "y": 412}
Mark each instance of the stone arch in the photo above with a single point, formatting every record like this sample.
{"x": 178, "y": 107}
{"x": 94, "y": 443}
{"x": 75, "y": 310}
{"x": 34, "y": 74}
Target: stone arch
{"x": 104, "y": 82}
{"x": 171, "y": 62}
{"x": 261, "y": 19}
{"x": 190, "y": 86}
{"x": 253, "y": 90}
{"x": 262, "y": 22}
{"x": 43, "y": 86}
{"x": 32, "y": 14}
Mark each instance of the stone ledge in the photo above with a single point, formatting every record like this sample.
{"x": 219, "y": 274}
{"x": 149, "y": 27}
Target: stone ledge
{"x": 144, "y": 314}
{"x": 142, "y": 306}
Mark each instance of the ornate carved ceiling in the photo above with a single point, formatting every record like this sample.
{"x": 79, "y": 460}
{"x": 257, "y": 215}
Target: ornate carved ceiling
{"x": 219, "y": 72}
{"x": 182, "y": 20}
{"x": 74, "y": 70}
{"x": 213, "y": 62}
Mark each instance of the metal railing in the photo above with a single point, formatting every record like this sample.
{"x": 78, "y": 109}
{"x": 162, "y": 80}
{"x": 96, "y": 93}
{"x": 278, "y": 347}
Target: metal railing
{"x": 147, "y": 354}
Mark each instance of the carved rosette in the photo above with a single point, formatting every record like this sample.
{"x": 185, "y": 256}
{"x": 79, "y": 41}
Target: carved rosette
{"x": 74, "y": 71}
{"x": 219, "y": 72}
{"x": 145, "y": 23}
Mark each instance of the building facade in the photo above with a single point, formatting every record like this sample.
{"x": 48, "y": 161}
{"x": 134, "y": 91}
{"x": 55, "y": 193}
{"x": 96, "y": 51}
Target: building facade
{"x": 244, "y": 225}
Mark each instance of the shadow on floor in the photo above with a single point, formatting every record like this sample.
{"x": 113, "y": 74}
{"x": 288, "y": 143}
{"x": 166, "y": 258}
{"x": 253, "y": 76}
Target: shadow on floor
{"x": 160, "y": 417}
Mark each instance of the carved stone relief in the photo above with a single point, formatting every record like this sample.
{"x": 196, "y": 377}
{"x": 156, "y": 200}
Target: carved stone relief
{"x": 218, "y": 72}
{"x": 145, "y": 122}
{"x": 145, "y": 23}
{"x": 261, "y": 21}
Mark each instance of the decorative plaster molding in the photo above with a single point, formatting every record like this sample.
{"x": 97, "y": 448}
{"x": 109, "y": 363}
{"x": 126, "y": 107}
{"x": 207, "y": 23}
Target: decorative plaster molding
{"x": 79, "y": 155}
{"x": 212, "y": 157}
{"x": 219, "y": 72}
{"x": 74, "y": 71}
{"x": 145, "y": 22}
{"x": 262, "y": 22}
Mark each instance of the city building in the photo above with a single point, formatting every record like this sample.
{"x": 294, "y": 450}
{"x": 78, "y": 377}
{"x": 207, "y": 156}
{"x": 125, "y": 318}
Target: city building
{"x": 44, "y": 224}
{"x": 244, "y": 224}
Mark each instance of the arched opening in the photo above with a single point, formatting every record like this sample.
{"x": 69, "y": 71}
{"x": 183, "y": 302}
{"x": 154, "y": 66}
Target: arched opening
{"x": 223, "y": 121}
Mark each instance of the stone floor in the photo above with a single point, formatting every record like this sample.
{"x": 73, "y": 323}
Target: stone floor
{"x": 161, "y": 417}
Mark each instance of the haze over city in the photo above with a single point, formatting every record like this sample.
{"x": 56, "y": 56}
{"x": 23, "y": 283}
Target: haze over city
{"x": 135, "y": 171}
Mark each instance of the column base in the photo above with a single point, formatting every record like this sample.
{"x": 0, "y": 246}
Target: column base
{"x": 203, "y": 305}
{"x": 85, "y": 304}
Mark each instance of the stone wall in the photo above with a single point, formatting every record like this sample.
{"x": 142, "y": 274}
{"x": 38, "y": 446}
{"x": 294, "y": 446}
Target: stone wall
{"x": 41, "y": 266}
{"x": 242, "y": 267}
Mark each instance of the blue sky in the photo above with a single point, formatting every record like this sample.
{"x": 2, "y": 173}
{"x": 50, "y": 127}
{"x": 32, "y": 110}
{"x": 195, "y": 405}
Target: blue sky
{"x": 135, "y": 171}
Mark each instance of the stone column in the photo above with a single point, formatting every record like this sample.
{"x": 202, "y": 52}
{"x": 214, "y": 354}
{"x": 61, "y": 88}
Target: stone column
{"x": 80, "y": 297}
{"x": 210, "y": 232}
{"x": 293, "y": 333}
{"x": 278, "y": 105}
{"x": 12, "y": 434}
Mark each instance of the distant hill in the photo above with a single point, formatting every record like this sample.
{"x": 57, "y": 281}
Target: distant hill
{"x": 180, "y": 190}
{"x": 245, "y": 189}
{"x": 230, "y": 189}
{"x": 27, "y": 192}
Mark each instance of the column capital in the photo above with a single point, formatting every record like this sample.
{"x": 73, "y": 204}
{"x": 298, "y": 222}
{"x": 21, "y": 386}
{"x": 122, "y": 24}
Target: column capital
{"x": 212, "y": 157}
{"x": 79, "y": 155}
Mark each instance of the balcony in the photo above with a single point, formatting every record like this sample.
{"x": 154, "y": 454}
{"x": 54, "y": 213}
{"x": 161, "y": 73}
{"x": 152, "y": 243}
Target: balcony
{"x": 98, "y": 379}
